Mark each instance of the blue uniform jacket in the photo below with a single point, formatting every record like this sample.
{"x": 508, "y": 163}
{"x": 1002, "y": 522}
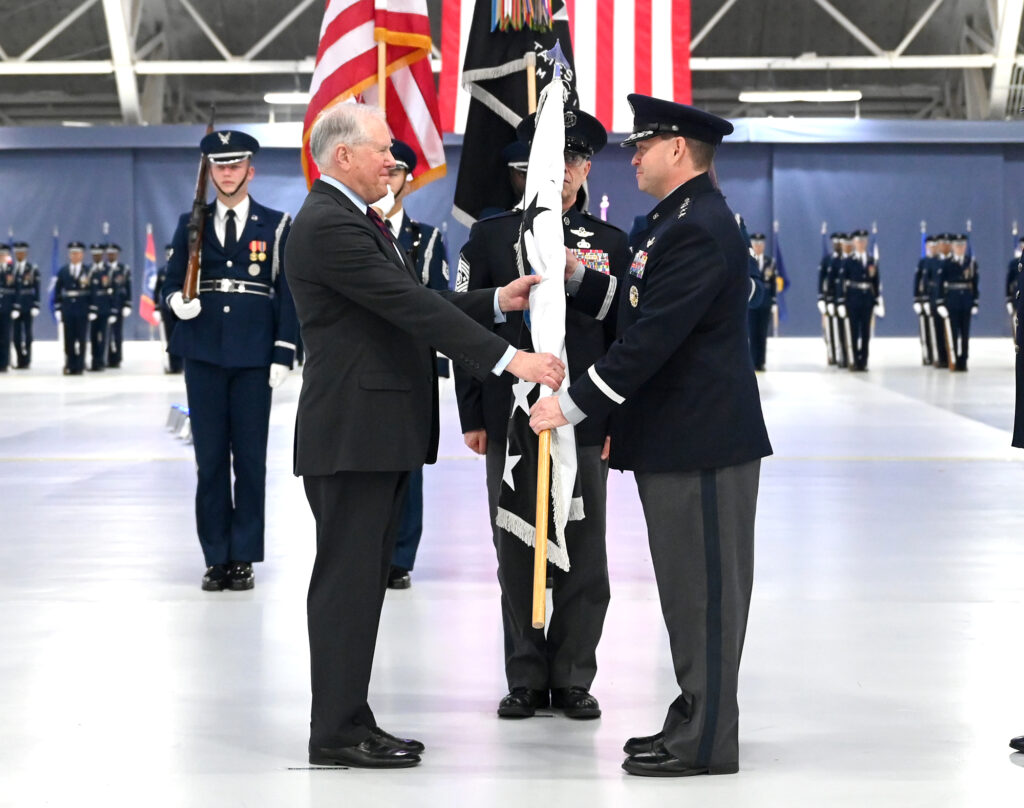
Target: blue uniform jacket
{"x": 26, "y": 297}
{"x": 237, "y": 329}
{"x": 71, "y": 296}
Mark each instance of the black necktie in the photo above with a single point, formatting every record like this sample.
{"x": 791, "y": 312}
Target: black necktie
{"x": 230, "y": 233}
{"x": 379, "y": 222}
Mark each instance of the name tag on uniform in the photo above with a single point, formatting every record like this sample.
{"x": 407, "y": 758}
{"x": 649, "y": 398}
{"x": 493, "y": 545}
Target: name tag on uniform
{"x": 594, "y": 259}
{"x": 636, "y": 269}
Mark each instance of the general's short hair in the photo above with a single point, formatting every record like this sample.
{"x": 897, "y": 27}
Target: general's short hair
{"x": 702, "y": 154}
{"x": 342, "y": 123}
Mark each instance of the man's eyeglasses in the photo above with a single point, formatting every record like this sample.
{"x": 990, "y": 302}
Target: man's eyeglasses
{"x": 575, "y": 159}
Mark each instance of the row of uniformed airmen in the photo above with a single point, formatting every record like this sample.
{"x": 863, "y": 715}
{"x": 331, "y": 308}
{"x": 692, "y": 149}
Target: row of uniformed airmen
{"x": 849, "y": 297}
{"x": 19, "y": 305}
{"x": 945, "y": 299}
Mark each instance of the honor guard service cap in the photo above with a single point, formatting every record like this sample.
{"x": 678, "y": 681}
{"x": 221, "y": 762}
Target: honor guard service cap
{"x": 404, "y": 156}
{"x": 860, "y": 233}
{"x": 1019, "y": 241}
{"x": 96, "y": 247}
{"x": 757, "y": 237}
{"x": 228, "y": 146}
{"x": 584, "y": 133}
{"x": 21, "y": 245}
{"x": 835, "y": 236}
{"x": 945, "y": 237}
{"x": 516, "y": 155}
{"x": 960, "y": 238}
{"x": 845, "y": 237}
{"x": 654, "y": 116}
{"x": 930, "y": 239}
{"x": 76, "y": 245}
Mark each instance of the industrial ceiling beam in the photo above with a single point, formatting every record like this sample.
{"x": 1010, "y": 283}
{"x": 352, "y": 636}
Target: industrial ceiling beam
{"x": 1010, "y": 12}
{"x": 56, "y": 31}
{"x": 118, "y": 30}
{"x": 206, "y": 29}
{"x": 275, "y": 32}
{"x": 921, "y": 23}
{"x": 845, "y": 21}
{"x": 709, "y": 26}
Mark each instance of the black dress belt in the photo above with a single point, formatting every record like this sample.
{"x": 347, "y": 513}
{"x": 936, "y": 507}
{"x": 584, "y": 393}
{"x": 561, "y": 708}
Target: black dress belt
{"x": 231, "y": 286}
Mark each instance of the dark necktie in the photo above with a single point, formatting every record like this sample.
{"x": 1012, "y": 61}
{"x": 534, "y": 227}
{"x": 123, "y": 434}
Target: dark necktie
{"x": 379, "y": 222}
{"x": 230, "y": 233}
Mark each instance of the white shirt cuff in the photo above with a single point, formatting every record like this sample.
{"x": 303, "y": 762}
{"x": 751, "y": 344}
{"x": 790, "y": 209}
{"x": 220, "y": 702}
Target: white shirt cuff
{"x": 506, "y": 357}
{"x": 572, "y": 413}
{"x": 499, "y": 315}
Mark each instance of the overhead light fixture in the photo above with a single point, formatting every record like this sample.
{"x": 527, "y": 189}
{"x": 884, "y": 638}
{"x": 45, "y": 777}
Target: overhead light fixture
{"x": 791, "y": 96}
{"x": 75, "y": 123}
{"x": 287, "y": 98}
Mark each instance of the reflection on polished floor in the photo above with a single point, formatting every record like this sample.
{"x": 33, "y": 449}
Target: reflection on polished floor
{"x": 883, "y": 663}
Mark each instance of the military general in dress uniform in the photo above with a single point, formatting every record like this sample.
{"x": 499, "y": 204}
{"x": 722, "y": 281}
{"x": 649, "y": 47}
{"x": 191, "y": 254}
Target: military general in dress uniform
{"x": 679, "y": 387}
{"x": 26, "y": 304}
{"x": 237, "y": 339}
{"x": 560, "y": 667}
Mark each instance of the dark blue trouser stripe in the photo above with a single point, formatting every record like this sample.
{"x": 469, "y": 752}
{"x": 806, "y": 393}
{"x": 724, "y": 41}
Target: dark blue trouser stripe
{"x": 713, "y": 569}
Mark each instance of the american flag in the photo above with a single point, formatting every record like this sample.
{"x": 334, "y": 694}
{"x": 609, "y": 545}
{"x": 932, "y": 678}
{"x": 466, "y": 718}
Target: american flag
{"x": 629, "y": 46}
{"x": 346, "y": 68}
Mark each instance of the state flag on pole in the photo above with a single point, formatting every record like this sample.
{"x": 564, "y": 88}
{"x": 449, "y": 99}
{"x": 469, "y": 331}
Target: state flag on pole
{"x": 541, "y": 244}
{"x": 346, "y": 68}
{"x": 147, "y": 303}
{"x": 494, "y": 74}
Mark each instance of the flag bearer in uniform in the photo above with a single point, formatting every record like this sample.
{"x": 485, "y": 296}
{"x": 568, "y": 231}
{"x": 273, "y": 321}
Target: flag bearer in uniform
{"x": 120, "y": 305}
{"x": 237, "y": 339}
{"x": 686, "y": 418}
{"x": 922, "y": 307}
{"x": 428, "y": 253}
{"x": 558, "y": 668}
{"x": 71, "y": 302}
{"x": 958, "y": 298}
{"x": 101, "y": 302}
{"x": 26, "y": 303}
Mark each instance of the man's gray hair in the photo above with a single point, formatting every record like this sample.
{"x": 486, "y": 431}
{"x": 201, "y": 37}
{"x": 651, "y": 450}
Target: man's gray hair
{"x": 342, "y": 123}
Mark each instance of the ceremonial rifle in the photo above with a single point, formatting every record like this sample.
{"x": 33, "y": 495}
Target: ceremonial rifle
{"x": 196, "y": 222}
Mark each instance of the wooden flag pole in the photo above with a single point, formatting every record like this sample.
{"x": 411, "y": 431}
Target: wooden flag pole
{"x": 540, "y": 550}
{"x": 382, "y": 77}
{"x": 531, "y": 81}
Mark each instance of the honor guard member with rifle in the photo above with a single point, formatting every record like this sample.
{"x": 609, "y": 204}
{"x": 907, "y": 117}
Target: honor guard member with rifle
{"x": 840, "y": 321}
{"x": 425, "y": 247}
{"x": 165, "y": 317}
{"x": 101, "y": 302}
{"x": 686, "y": 418}
{"x": 558, "y": 668}
{"x": 1017, "y": 744}
{"x": 826, "y": 297}
{"x": 26, "y": 304}
{"x": 121, "y": 304}
{"x": 237, "y": 339}
{"x": 71, "y": 295}
{"x": 922, "y": 305}
{"x": 943, "y": 242}
{"x": 857, "y": 294}
{"x": 759, "y": 319}
{"x": 958, "y": 300}
{"x": 1013, "y": 280}
{"x": 8, "y": 297}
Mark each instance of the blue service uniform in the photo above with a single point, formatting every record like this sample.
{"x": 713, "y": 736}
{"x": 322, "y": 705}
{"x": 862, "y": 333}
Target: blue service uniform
{"x": 858, "y": 288}
{"x": 832, "y": 295}
{"x": 26, "y": 303}
{"x": 935, "y": 269}
{"x": 826, "y": 295}
{"x": 71, "y": 301}
{"x": 427, "y": 250}
{"x": 958, "y": 292}
{"x": 101, "y": 300}
{"x": 247, "y": 322}
{"x": 921, "y": 297}
{"x": 759, "y": 318}
{"x": 121, "y": 282}
{"x": 8, "y": 293}
{"x": 168, "y": 321}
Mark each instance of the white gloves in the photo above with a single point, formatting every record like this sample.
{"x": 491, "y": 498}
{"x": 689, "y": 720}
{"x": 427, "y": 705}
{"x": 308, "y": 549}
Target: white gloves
{"x": 927, "y": 308}
{"x": 831, "y": 309}
{"x": 15, "y": 314}
{"x": 1009, "y": 307}
{"x": 918, "y": 308}
{"x": 974, "y": 310}
{"x": 821, "y": 306}
{"x": 92, "y": 316}
{"x": 35, "y": 312}
{"x": 278, "y": 373}
{"x": 112, "y": 319}
{"x": 943, "y": 312}
{"x": 184, "y": 311}
{"x": 157, "y": 316}
{"x": 126, "y": 311}
{"x": 59, "y": 318}
{"x": 880, "y": 308}
{"x": 841, "y": 310}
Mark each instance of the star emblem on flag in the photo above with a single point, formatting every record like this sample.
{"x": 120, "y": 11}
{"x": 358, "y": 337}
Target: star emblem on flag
{"x": 520, "y": 390}
{"x": 510, "y": 463}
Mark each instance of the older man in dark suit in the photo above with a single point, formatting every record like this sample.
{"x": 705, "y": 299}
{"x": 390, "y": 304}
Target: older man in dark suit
{"x": 368, "y": 411}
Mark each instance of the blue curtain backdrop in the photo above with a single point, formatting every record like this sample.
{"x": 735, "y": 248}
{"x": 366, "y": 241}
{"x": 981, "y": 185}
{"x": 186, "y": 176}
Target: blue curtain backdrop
{"x": 849, "y": 174}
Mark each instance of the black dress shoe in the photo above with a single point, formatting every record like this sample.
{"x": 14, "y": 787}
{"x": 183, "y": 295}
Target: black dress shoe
{"x": 659, "y": 762}
{"x": 522, "y": 702}
{"x": 1017, "y": 743}
{"x": 240, "y": 576}
{"x": 370, "y": 754}
{"x": 576, "y": 702}
{"x": 398, "y": 578}
{"x": 405, "y": 744}
{"x": 216, "y": 578}
{"x": 644, "y": 743}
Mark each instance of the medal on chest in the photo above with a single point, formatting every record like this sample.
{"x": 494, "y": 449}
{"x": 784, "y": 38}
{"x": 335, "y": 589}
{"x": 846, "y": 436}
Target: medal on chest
{"x": 593, "y": 259}
{"x": 634, "y": 296}
{"x": 636, "y": 269}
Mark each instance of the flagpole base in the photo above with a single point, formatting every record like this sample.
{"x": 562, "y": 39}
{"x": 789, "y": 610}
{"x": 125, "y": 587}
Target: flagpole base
{"x": 540, "y": 550}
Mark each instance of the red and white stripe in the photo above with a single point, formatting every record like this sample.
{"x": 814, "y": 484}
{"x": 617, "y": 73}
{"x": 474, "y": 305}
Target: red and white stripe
{"x": 346, "y": 67}
{"x": 619, "y": 46}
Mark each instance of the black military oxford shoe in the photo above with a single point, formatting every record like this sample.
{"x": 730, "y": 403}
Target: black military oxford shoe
{"x": 216, "y": 578}
{"x": 643, "y": 743}
{"x": 1017, "y": 743}
{"x": 406, "y": 744}
{"x": 398, "y": 578}
{"x": 521, "y": 702}
{"x": 240, "y": 576}
{"x": 575, "y": 702}
{"x": 659, "y": 762}
{"x": 372, "y": 753}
